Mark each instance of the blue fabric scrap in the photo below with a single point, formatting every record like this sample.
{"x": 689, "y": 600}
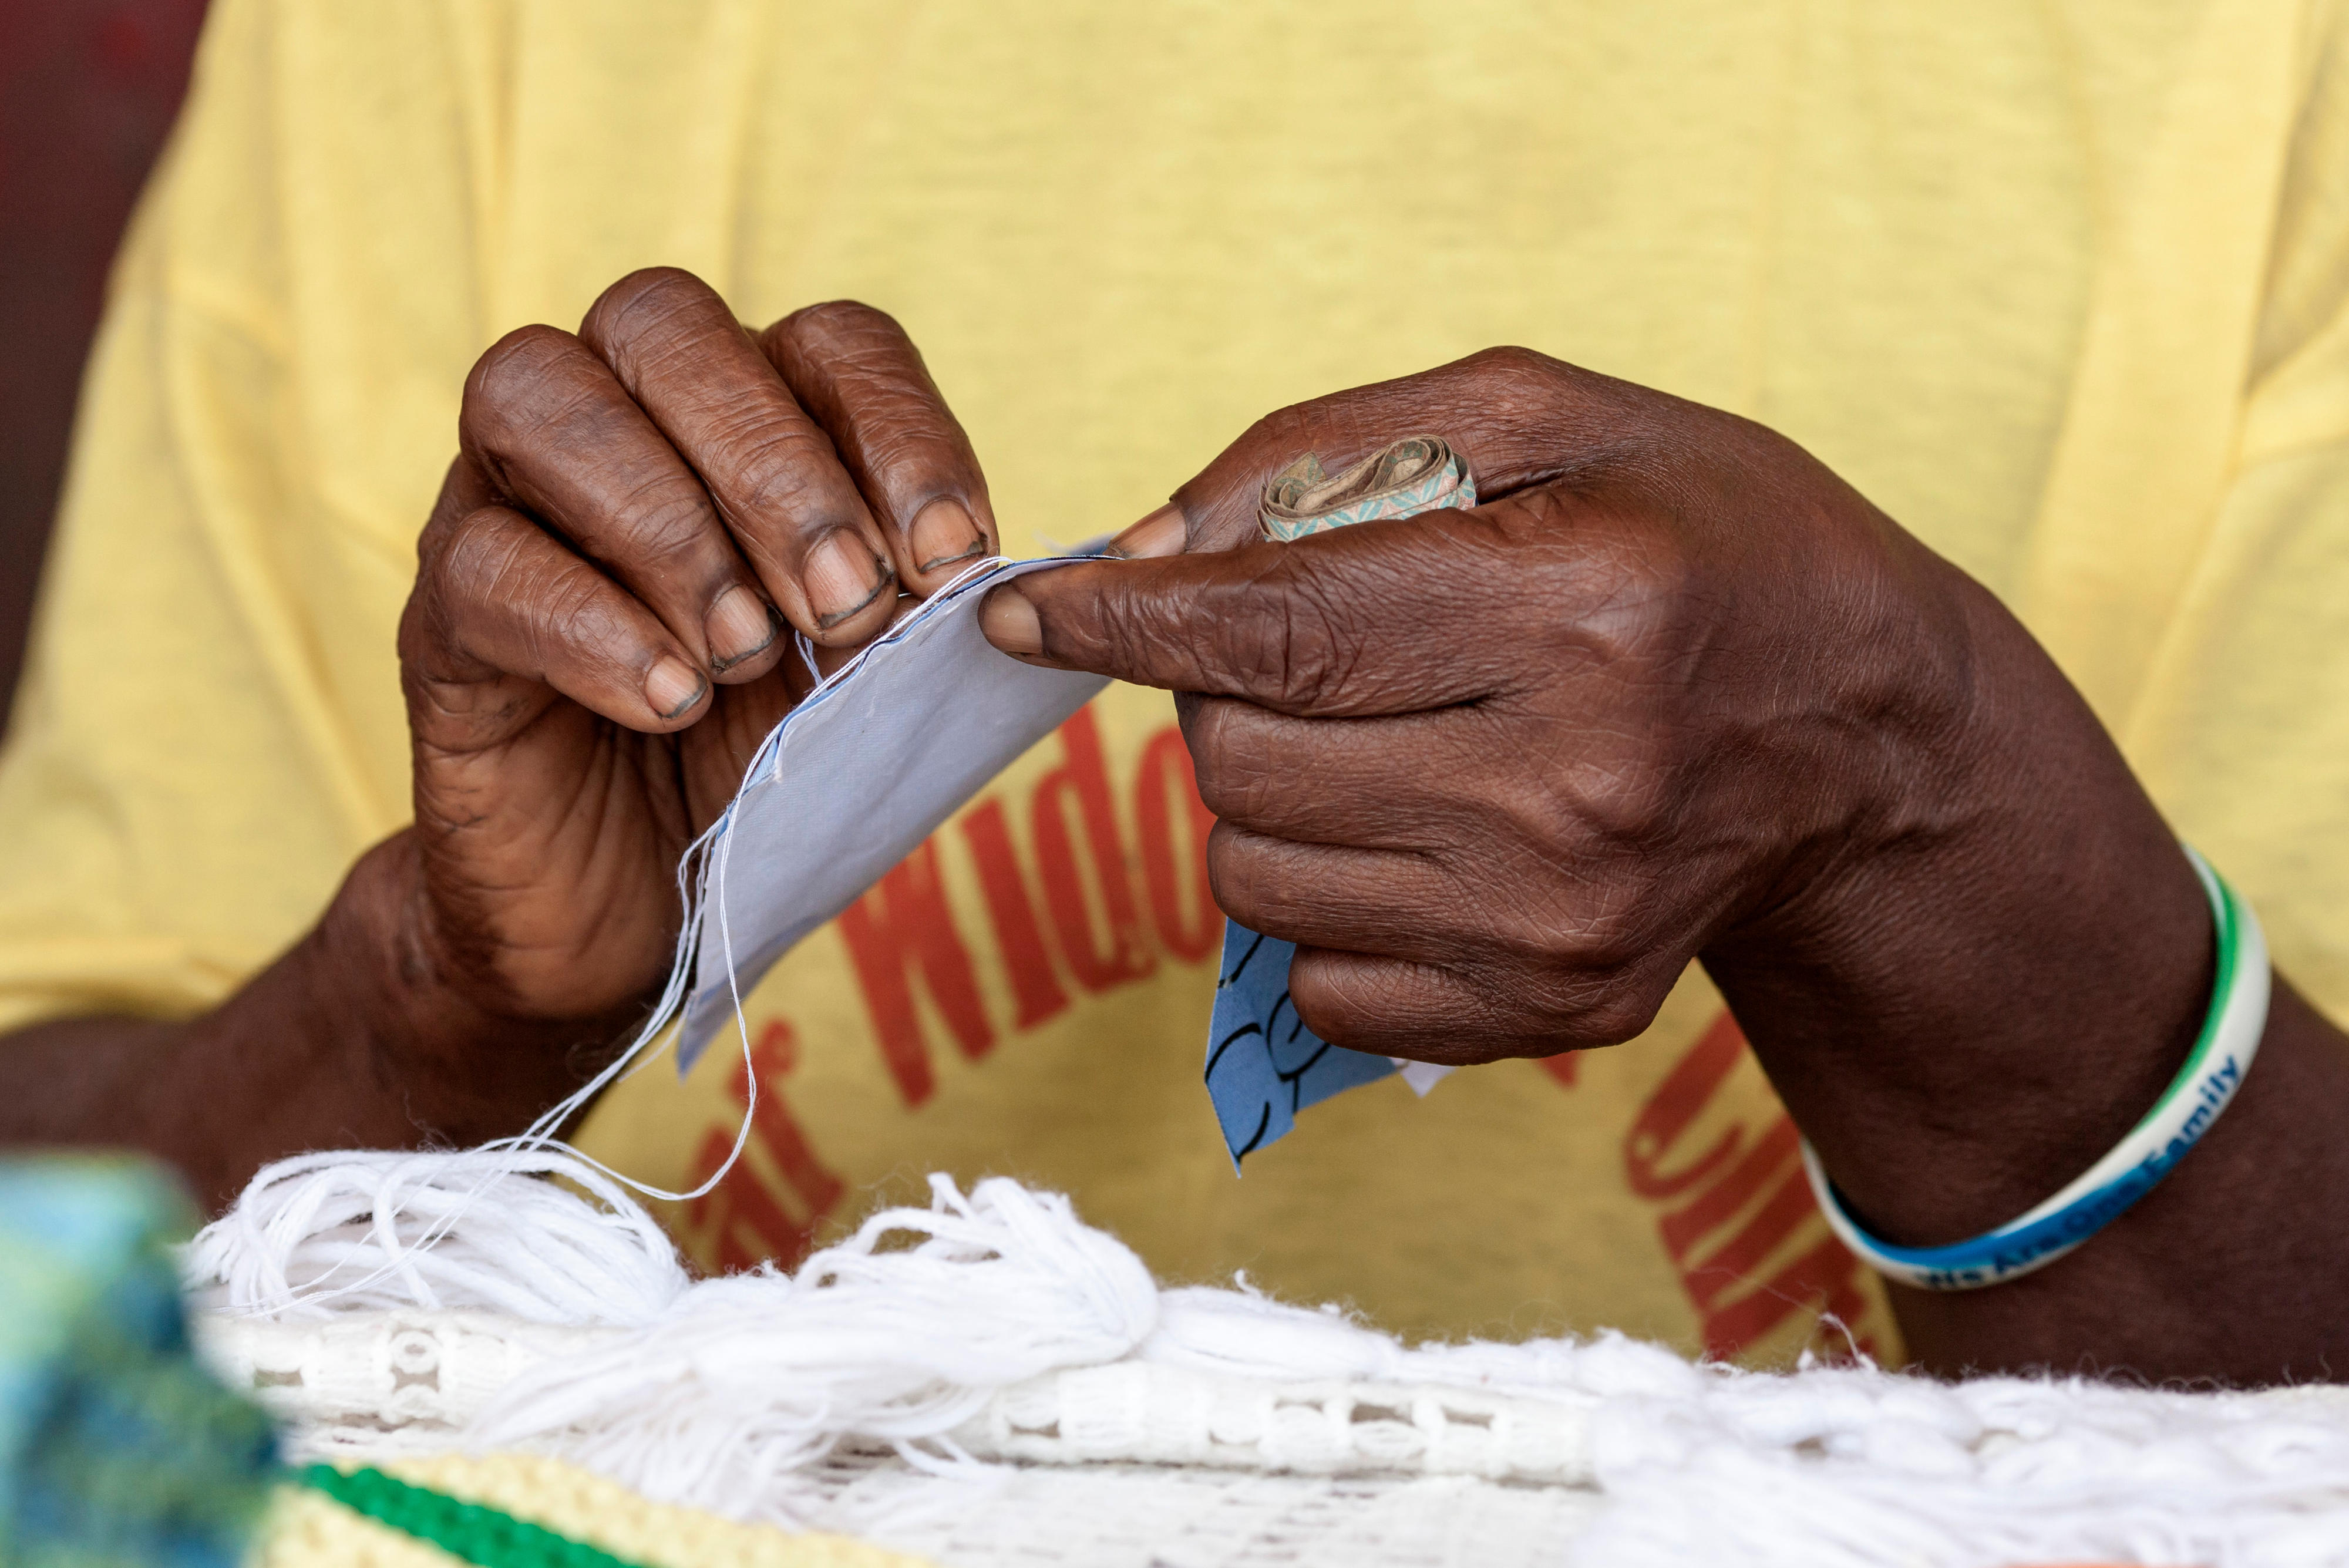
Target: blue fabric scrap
{"x": 1263, "y": 1065}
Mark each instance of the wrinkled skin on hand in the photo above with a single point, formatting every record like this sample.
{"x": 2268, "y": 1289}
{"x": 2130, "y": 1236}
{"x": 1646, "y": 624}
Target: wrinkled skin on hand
{"x": 1674, "y": 691}
{"x": 638, "y": 513}
{"x": 597, "y": 639}
{"x": 1502, "y": 774}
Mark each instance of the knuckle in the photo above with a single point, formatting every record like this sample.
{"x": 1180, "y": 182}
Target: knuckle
{"x": 1235, "y": 859}
{"x": 1364, "y": 1003}
{"x": 1626, "y": 803}
{"x": 668, "y": 526}
{"x": 836, "y": 324}
{"x": 1274, "y": 635}
{"x": 1284, "y": 434}
{"x": 443, "y": 528}
{"x": 1595, "y": 793}
{"x": 640, "y": 304}
{"x": 418, "y": 636}
{"x": 1628, "y": 599}
{"x": 512, "y": 370}
{"x": 1510, "y": 387}
{"x": 770, "y": 465}
{"x": 478, "y": 559}
{"x": 1553, "y": 948}
{"x": 1248, "y": 793}
{"x": 1540, "y": 1008}
{"x": 1310, "y": 646}
{"x": 466, "y": 581}
{"x": 1511, "y": 364}
{"x": 565, "y": 608}
{"x": 1618, "y": 1007}
{"x": 1605, "y": 944}
{"x": 910, "y": 445}
{"x": 1327, "y": 1008}
{"x": 1230, "y": 780}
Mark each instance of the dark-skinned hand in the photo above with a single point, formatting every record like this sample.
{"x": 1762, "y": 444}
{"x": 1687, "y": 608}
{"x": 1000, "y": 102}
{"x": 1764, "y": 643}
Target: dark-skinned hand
{"x": 1675, "y": 692}
{"x": 597, "y": 642}
{"x": 596, "y": 646}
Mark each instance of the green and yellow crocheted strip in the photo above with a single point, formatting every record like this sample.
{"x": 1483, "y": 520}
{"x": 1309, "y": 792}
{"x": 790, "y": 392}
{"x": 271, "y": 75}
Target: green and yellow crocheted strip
{"x": 519, "y": 1510}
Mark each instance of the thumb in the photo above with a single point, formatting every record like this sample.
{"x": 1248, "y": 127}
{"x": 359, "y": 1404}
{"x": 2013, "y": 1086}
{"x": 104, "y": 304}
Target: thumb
{"x": 1380, "y": 617}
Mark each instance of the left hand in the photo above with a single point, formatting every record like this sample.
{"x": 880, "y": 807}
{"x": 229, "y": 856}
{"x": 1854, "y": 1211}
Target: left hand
{"x": 1673, "y": 691}
{"x": 1676, "y": 691}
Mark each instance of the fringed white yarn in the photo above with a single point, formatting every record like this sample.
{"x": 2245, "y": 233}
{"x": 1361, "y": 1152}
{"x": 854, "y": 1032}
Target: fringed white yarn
{"x": 1012, "y": 1330}
{"x": 320, "y": 1235}
{"x": 752, "y": 1378}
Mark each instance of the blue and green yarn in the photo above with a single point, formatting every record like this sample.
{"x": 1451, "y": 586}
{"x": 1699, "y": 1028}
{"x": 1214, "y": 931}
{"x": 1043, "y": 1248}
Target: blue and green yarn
{"x": 116, "y": 1448}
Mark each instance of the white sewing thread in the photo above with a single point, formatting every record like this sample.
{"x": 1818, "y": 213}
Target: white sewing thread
{"x": 704, "y": 863}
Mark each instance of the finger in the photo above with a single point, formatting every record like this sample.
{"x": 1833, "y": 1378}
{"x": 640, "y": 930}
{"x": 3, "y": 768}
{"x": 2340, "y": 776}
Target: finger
{"x": 1426, "y": 1013}
{"x": 1483, "y": 909}
{"x": 1397, "y": 904}
{"x": 1400, "y": 956}
{"x": 551, "y": 427}
{"x": 1402, "y": 782}
{"x": 1516, "y": 417}
{"x": 828, "y": 662}
{"x": 1463, "y": 1013}
{"x": 771, "y": 473}
{"x": 1159, "y": 533}
{"x": 1600, "y": 784}
{"x": 1382, "y": 618}
{"x": 854, "y": 369}
{"x": 1476, "y": 912}
{"x": 497, "y": 596}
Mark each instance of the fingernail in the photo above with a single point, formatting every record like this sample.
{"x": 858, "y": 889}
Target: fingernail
{"x": 842, "y": 576}
{"x": 1010, "y": 621}
{"x": 674, "y": 686}
{"x": 741, "y": 625}
{"x": 945, "y": 533}
{"x": 1162, "y": 533}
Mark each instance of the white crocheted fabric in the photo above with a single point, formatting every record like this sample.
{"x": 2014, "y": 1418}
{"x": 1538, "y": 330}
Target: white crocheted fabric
{"x": 1014, "y": 1389}
{"x": 380, "y": 1383}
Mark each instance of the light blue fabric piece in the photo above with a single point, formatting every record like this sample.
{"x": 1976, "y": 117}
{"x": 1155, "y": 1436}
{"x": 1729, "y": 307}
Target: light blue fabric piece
{"x": 1263, "y": 1065}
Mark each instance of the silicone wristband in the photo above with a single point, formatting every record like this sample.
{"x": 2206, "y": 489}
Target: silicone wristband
{"x": 2214, "y": 1070}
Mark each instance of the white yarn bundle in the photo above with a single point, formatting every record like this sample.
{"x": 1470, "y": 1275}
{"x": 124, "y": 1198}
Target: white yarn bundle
{"x": 321, "y": 1234}
{"x": 750, "y": 1377}
{"x": 1009, "y": 1329}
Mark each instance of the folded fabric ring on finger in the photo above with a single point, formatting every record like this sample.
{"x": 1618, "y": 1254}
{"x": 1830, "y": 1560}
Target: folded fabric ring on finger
{"x": 1402, "y": 479}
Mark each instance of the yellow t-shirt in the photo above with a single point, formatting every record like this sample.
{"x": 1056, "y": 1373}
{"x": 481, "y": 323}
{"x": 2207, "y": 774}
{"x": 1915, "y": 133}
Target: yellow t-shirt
{"x": 2061, "y": 286}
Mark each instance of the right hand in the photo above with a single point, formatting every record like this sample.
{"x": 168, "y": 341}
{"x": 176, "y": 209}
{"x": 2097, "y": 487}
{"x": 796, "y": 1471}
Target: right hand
{"x": 597, "y": 638}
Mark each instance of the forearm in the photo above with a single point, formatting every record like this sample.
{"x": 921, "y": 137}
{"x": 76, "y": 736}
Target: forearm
{"x": 1965, "y": 1018}
{"x": 2233, "y": 1268}
{"x": 357, "y": 1037}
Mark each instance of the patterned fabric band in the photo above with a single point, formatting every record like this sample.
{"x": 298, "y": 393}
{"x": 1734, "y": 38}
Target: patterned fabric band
{"x": 1418, "y": 473}
{"x": 2214, "y": 1070}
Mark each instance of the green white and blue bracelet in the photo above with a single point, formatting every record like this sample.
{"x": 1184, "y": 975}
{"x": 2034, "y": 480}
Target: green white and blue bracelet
{"x": 2214, "y": 1070}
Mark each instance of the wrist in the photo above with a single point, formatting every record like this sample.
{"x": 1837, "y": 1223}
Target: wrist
{"x": 1997, "y": 968}
{"x": 358, "y": 1036}
{"x": 427, "y": 1033}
